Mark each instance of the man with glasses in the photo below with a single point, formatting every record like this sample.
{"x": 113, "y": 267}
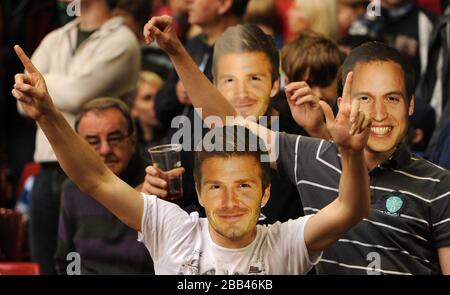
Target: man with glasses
{"x": 85, "y": 226}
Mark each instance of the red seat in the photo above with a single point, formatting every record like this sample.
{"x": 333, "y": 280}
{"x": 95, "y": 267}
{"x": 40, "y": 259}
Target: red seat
{"x": 19, "y": 268}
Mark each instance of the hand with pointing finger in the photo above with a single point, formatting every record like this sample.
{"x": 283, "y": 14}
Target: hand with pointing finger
{"x": 351, "y": 127}
{"x": 30, "y": 89}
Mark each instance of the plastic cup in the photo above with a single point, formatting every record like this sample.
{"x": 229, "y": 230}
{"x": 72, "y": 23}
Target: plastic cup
{"x": 167, "y": 157}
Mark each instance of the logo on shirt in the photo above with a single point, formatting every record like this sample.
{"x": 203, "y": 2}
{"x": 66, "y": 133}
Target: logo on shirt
{"x": 394, "y": 203}
{"x": 256, "y": 268}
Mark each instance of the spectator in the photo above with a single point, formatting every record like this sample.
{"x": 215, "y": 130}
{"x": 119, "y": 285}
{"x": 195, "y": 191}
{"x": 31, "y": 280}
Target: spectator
{"x": 214, "y": 17}
{"x": 433, "y": 85}
{"x": 21, "y": 22}
{"x": 402, "y": 25}
{"x": 421, "y": 126}
{"x": 263, "y": 13}
{"x": 228, "y": 241}
{"x": 412, "y": 238}
{"x": 71, "y": 59}
{"x": 317, "y": 16}
{"x": 349, "y": 11}
{"x": 440, "y": 155}
{"x": 316, "y": 60}
{"x": 135, "y": 14}
{"x": 104, "y": 243}
{"x": 246, "y": 71}
{"x": 149, "y": 131}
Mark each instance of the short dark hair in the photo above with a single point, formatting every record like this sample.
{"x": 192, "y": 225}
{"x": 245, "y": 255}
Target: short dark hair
{"x": 104, "y": 103}
{"x": 247, "y": 38}
{"x": 378, "y": 51}
{"x": 239, "y": 7}
{"x": 231, "y": 140}
{"x": 312, "y": 55}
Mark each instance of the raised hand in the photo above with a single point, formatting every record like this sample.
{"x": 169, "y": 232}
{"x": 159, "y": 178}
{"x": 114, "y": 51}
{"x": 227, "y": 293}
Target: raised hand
{"x": 306, "y": 110}
{"x": 304, "y": 105}
{"x": 30, "y": 89}
{"x": 351, "y": 127}
{"x": 161, "y": 30}
{"x": 156, "y": 181}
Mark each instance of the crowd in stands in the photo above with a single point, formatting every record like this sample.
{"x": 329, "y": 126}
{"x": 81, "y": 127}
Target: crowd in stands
{"x": 126, "y": 78}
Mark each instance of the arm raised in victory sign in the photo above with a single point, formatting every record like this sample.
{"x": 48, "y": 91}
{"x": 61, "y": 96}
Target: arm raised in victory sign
{"x": 78, "y": 160}
{"x": 350, "y": 131}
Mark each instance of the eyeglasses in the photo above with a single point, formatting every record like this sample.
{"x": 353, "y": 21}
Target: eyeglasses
{"x": 114, "y": 140}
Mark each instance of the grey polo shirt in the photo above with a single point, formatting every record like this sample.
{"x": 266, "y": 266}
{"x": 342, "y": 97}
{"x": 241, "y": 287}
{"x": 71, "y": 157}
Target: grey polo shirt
{"x": 409, "y": 218}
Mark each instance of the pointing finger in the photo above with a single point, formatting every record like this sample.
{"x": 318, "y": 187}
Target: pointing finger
{"x": 29, "y": 67}
{"x": 347, "y": 92}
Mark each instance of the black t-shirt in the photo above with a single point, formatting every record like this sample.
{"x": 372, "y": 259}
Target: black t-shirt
{"x": 82, "y": 36}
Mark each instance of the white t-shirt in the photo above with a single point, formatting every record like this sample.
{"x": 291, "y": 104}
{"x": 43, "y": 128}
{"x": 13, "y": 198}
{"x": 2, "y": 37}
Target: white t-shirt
{"x": 180, "y": 243}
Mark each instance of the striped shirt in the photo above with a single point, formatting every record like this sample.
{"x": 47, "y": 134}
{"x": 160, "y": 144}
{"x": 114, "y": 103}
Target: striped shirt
{"x": 410, "y": 208}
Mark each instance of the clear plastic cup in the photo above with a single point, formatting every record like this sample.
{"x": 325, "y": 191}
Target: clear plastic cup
{"x": 167, "y": 157}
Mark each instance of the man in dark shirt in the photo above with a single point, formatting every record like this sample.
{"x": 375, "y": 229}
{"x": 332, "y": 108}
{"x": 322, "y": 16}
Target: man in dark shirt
{"x": 104, "y": 243}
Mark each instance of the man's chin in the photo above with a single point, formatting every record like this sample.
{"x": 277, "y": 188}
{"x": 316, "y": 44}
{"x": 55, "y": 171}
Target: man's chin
{"x": 248, "y": 114}
{"x": 380, "y": 147}
{"x": 233, "y": 234}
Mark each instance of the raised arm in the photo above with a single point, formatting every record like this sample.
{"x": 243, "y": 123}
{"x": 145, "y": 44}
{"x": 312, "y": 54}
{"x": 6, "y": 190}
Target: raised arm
{"x": 201, "y": 91}
{"x": 78, "y": 160}
{"x": 350, "y": 130}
